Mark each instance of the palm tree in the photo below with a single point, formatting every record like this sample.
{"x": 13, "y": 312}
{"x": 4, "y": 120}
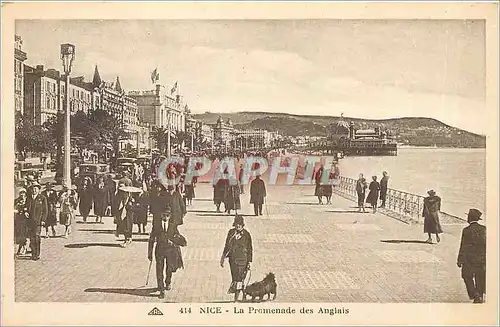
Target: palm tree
{"x": 159, "y": 135}
{"x": 181, "y": 137}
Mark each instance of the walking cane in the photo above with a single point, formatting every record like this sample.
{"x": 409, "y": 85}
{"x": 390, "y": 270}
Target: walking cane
{"x": 149, "y": 271}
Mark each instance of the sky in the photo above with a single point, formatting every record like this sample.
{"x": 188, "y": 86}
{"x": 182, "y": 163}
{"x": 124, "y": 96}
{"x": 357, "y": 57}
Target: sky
{"x": 371, "y": 69}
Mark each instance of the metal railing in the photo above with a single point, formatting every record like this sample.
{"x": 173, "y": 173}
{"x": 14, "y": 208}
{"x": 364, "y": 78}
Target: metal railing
{"x": 401, "y": 205}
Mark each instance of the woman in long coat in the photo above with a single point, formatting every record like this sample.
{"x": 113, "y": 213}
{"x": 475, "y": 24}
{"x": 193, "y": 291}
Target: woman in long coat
{"x": 372, "y": 197}
{"x": 232, "y": 200}
{"x": 141, "y": 212}
{"x": 432, "y": 205}
{"x": 219, "y": 192}
{"x": 101, "y": 200}
{"x": 177, "y": 208}
{"x": 21, "y": 222}
{"x": 318, "y": 191}
{"x": 327, "y": 190}
{"x": 86, "y": 198}
{"x": 52, "y": 199}
{"x": 238, "y": 248}
{"x": 111, "y": 188}
{"x": 125, "y": 216}
{"x": 361, "y": 192}
{"x": 190, "y": 195}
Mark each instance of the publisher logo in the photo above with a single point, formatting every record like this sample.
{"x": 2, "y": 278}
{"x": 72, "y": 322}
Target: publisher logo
{"x": 155, "y": 312}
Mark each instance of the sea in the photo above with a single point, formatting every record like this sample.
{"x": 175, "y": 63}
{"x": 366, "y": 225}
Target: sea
{"x": 457, "y": 175}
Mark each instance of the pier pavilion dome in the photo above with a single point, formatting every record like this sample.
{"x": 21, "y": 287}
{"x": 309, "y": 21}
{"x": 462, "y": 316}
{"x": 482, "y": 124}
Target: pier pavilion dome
{"x": 340, "y": 127}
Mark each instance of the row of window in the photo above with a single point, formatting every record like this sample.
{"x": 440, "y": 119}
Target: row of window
{"x": 74, "y": 93}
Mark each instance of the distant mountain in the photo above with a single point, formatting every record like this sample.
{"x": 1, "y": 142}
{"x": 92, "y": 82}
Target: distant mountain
{"x": 414, "y": 131}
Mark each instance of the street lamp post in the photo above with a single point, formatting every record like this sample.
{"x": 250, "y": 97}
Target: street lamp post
{"x": 168, "y": 134}
{"x": 67, "y": 57}
{"x": 192, "y": 141}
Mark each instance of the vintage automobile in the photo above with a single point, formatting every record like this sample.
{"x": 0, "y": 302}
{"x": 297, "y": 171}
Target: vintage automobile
{"x": 93, "y": 171}
{"x": 120, "y": 161}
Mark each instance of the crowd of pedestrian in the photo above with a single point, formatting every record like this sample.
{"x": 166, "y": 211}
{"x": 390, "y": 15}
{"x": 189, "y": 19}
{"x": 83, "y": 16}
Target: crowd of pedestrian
{"x": 377, "y": 190}
{"x": 129, "y": 200}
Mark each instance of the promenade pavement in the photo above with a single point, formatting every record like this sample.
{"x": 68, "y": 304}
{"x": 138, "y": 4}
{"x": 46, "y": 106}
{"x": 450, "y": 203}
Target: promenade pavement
{"x": 319, "y": 253}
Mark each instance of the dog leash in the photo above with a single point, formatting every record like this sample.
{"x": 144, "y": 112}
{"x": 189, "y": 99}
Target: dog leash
{"x": 249, "y": 277}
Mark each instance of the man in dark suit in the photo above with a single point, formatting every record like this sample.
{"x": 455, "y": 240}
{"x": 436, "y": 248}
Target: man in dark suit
{"x": 37, "y": 215}
{"x": 472, "y": 257}
{"x": 383, "y": 188}
{"x": 164, "y": 232}
{"x": 257, "y": 194}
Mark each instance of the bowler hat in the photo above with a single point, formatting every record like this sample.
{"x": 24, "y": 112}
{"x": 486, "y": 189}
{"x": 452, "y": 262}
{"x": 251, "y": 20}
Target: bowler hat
{"x": 238, "y": 220}
{"x": 474, "y": 215}
{"x": 36, "y": 184}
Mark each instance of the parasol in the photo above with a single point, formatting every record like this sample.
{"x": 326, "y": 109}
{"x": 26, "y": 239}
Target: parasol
{"x": 130, "y": 189}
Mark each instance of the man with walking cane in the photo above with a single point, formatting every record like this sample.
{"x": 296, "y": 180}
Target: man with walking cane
{"x": 167, "y": 251}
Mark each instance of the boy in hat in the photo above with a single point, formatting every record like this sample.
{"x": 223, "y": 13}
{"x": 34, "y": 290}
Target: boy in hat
{"x": 37, "y": 215}
{"x": 239, "y": 250}
{"x": 472, "y": 257}
{"x": 68, "y": 203}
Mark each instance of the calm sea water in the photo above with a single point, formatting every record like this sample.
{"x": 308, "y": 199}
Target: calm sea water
{"x": 457, "y": 175}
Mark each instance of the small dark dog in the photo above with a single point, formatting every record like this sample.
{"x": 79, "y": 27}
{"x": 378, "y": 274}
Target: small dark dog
{"x": 259, "y": 289}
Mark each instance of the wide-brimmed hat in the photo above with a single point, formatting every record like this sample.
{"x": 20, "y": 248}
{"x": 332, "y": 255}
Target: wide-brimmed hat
{"x": 30, "y": 178}
{"x": 474, "y": 215}
{"x": 238, "y": 220}
{"x": 431, "y": 192}
{"x": 21, "y": 190}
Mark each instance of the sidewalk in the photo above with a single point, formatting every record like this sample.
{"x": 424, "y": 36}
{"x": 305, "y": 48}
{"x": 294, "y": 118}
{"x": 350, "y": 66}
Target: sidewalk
{"x": 328, "y": 253}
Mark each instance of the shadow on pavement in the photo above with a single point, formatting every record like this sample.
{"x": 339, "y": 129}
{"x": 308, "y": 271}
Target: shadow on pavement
{"x": 86, "y": 245}
{"x": 405, "y": 241}
{"x": 343, "y": 211}
{"x": 305, "y": 203}
{"x": 98, "y": 231}
{"x": 19, "y": 257}
{"x": 202, "y": 211}
{"x": 146, "y": 292}
{"x": 224, "y": 215}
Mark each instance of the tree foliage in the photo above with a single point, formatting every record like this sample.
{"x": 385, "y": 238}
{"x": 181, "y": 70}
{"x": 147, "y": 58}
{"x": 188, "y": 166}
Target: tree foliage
{"x": 95, "y": 131}
{"x": 32, "y": 138}
{"x": 159, "y": 135}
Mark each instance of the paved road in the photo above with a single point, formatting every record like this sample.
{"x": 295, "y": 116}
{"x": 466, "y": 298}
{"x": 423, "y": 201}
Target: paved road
{"x": 327, "y": 253}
